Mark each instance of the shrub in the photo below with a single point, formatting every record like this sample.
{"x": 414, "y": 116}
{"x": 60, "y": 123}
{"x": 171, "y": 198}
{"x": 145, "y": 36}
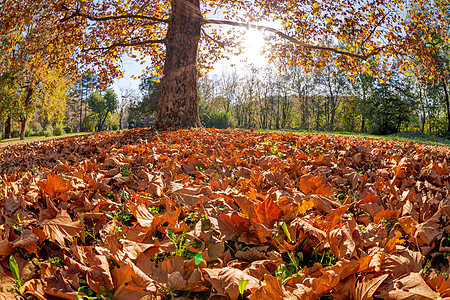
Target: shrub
{"x": 29, "y": 132}
{"x": 219, "y": 120}
{"x": 48, "y": 131}
{"x": 14, "y": 134}
{"x": 58, "y": 130}
{"x": 115, "y": 127}
{"x": 67, "y": 129}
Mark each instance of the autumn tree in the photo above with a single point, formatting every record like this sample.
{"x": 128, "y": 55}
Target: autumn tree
{"x": 34, "y": 56}
{"x": 183, "y": 39}
{"x": 102, "y": 106}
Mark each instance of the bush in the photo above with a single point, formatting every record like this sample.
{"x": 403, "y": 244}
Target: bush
{"x": 29, "y": 132}
{"x": 48, "y": 131}
{"x": 115, "y": 127}
{"x": 67, "y": 129}
{"x": 58, "y": 130}
{"x": 219, "y": 120}
{"x": 14, "y": 134}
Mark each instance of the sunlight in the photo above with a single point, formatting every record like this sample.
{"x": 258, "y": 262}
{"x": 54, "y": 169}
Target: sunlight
{"x": 253, "y": 45}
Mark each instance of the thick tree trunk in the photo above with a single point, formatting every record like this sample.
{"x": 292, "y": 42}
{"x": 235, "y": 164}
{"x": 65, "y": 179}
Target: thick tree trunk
{"x": 8, "y": 127}
{"x": 178, "y": 101}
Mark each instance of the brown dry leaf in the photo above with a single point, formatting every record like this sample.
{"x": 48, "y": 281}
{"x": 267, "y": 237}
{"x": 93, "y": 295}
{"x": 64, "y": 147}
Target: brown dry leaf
{"x": 99, "y": 278}
{"x": 266, "y": 213}
{"x": 7, "y": 285}
{"x": 55, "y": 184}
{"x": 225, "y": 281}
{"x": 6, "y": 247}
{"x": 33, "y": 287}
{"x": 408, "y": 224}
{"x": 409, "y": 287}
{"x": 62, "y": 227}
{"x": 232, "y": 225}
{"x": 314, "y": 185}
{"x": 367, "y": 287}
{"x": 28, "y": 241}
{"x": 341, "y": 240}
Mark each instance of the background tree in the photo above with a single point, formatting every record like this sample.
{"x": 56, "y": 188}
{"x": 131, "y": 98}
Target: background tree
{"x": 182, "y": 41}
{"x": 144, "y": 107}
{"x": 102, "y": 107}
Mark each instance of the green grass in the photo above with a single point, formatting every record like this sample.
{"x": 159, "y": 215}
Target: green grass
{"x": 406, "y": 136}
{"x": 39, "y": 138}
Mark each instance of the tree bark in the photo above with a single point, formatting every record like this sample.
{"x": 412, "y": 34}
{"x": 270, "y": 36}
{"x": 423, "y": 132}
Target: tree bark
{"x": 23, "y": 119}
{"x": 447, "y": 103}
{"x": 23, "y": 125}
{"x": 8, "y": 127}
{"x": 178, "y": 101}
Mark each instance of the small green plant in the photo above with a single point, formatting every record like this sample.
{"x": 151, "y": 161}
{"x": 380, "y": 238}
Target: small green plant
{"x": 199, "y": 168}
{"x": 155, "y": 210}
{"x": 123, "y": 215}
{"x": 90, "y": 233}
{"x": 90, "y": 294}
{"x": 126, "y": 171}
{"x": 307, "y": 149}
{"x": 194, "y": 217}
{"x": 427, "y": 266}
{"x": 56, "y": 261}
{"x": 124, "y": 196}
{"x": 15, "y": 270}
{"x": 179, "y": 242}
{"x": 286, "y": 231}
{"x": 33, "y": 170}
{"x": 242, "y": 285}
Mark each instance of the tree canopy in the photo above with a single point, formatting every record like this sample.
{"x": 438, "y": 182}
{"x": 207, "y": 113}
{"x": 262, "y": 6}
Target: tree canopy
{"x": 102, "y": 106}
{"x": 182, "y": 38}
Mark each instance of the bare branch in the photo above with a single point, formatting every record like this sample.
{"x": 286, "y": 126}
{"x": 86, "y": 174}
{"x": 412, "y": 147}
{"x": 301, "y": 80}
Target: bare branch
{"x": 125, "y": 44}
{"x": 292, "y": 39}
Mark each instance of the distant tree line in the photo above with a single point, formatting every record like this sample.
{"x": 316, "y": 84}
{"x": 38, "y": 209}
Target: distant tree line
{"x": 325, "y": 99}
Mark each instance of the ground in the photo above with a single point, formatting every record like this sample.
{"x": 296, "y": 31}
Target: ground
{"x": 191, "y": 214}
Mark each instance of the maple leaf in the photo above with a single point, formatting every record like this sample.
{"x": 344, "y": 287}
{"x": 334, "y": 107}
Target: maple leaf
{"x": 266, "y": 212}
{"x": 232, "y": 225}
{"x": 367, "y": 287}
{"x": 225, "y": 281}
{"x": 55, "y": 184}
{"x": 62, "y": 227}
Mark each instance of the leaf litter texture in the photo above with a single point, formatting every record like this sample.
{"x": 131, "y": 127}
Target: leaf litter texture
{"x": 195, "y": 214}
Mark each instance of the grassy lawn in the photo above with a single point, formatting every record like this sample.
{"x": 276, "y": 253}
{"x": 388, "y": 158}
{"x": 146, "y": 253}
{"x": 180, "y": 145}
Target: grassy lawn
{"x": 39, "y": 138}
{"x": 407, "y": 136}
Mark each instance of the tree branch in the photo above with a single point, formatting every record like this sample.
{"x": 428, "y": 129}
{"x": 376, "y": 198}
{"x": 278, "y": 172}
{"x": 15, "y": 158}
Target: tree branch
{"x": 292, "y": 39}
{"x": 213, "y": 39}
{"x": 125, "y": 44}
{"x": 78, "y": 13}
{"x": 373, "y": 30}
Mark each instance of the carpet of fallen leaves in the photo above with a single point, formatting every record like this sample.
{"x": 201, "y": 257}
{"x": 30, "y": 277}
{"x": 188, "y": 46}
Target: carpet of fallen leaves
{"x": 224, "y": 214}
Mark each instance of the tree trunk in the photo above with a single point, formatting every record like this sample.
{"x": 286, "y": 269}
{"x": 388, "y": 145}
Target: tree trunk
{"x": 447, "y": 103}
{"x": 23, "y": 124}
{"x": 8, "y": 127}
{"x": 24, "y": 118}
{"x": 120, "y": 118}
{"x": 178, "y": 101}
